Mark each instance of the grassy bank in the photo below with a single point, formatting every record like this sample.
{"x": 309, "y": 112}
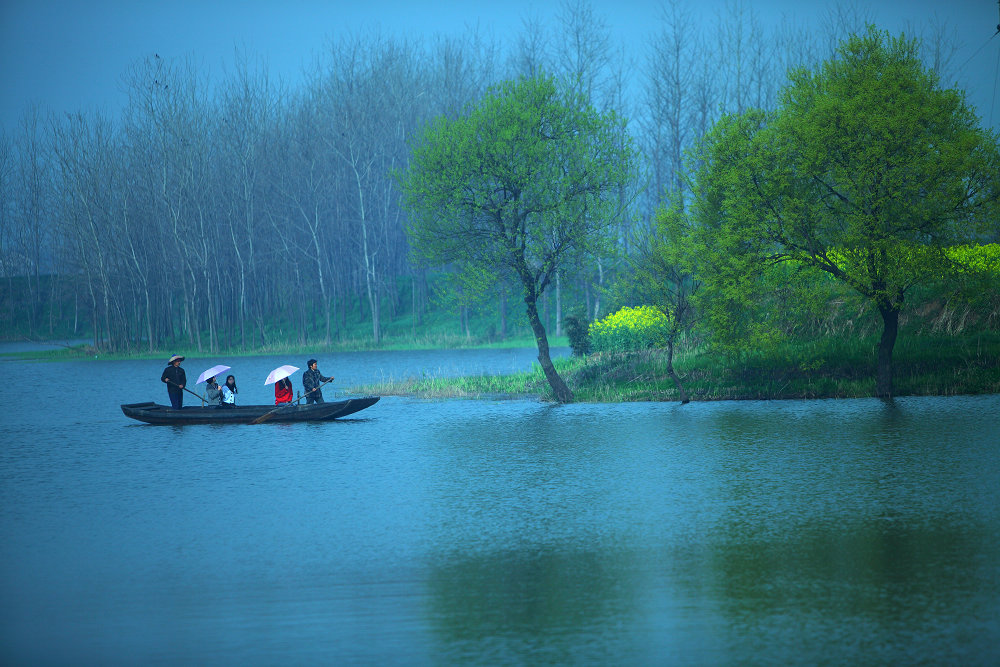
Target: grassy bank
{"x": 827, "y": 368}
{"x": 390, "y": 343}
{"x": 831, "y": 368}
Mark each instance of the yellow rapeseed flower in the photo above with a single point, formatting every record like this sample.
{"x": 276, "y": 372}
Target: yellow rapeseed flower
{"x": 630, "y": 328}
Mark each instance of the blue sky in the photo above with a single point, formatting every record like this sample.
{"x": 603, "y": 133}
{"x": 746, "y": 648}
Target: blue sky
{"x": 69, "y": 55}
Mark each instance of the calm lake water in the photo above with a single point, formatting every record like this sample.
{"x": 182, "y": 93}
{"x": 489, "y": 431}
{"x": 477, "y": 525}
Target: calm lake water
{"x": 492, "y": 532}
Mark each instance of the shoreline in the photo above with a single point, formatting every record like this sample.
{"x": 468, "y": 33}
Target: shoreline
{"x": 59, "y": 351}
{"x": 639, "y": 395}
{"x": 919, "y": 370}
{"x": 799, "y": 371}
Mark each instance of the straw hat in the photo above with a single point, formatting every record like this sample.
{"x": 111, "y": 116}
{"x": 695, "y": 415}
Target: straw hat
{"x": 174, "y": 358}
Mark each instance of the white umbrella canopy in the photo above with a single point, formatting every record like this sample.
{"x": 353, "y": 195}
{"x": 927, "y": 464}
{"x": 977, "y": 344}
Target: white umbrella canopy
{"x": 279, "y": 373}
{"x": 212, "y": 372}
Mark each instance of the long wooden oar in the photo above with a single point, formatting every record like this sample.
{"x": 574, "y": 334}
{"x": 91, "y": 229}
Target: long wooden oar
{"x": 267, "y": 415}
{"x": 200, "y": 397}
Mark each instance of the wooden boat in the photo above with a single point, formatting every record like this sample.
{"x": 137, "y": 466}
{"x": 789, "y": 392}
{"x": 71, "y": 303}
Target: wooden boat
{"x": 153, "y": 413}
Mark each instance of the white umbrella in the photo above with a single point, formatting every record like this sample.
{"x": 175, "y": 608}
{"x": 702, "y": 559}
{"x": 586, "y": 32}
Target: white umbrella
{"x": 279, "y": 373}
{"x": 211, "y": 373}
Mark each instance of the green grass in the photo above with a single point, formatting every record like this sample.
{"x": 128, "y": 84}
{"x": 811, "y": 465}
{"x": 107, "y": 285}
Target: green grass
{"x": 476, "y": 386}
{"x": 831, "y": 367}
{"x": 835, "y": 367}
{"x": 398, "y": 343}
{"x": 827, "y": 368}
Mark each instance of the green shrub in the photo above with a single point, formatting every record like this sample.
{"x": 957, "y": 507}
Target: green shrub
{"x": 577, "y": 331}
{"x": 640, "y": 328}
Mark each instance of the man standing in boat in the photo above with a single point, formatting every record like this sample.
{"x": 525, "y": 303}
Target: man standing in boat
{"x": 175, "y": 378}
{"x": 312, "y": 380}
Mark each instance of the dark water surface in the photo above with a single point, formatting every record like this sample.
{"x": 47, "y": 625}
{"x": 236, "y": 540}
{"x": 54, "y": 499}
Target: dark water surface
{"x": 492, "y": 532}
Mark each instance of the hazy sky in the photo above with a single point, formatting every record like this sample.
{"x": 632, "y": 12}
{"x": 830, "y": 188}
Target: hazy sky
{"x": 69, "y": 55}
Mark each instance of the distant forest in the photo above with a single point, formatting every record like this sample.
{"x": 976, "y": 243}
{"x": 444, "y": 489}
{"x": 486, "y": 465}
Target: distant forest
{"x": 225, "y": 216}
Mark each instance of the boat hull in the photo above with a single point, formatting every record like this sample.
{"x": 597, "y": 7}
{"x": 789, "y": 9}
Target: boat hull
{"x": 154, "y": 413}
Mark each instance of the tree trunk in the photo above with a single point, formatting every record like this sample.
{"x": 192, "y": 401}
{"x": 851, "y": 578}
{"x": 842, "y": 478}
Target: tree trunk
{"x": 376, "y": 305}
{"x": 151, "y": 343}
{"x": 413, "y": 307}
{"x": 331, "y": 305}
{"x": 597, "y": 292}
{"x": 503, "y": 313}
{"x": 883, "y": 373}
{"x": 558, "y": 304}
{"x": 545, "y": 309}
{"x": 673, "y": 375}
{"x": 562, "y": 392}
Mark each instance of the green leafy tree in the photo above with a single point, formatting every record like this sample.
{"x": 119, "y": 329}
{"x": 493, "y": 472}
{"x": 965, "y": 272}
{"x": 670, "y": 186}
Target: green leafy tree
{"x": 465, "y": 290}
{"x": 661, "y": 276}
{"x": 868, "y": 171}
{"x": 529, "y": 178}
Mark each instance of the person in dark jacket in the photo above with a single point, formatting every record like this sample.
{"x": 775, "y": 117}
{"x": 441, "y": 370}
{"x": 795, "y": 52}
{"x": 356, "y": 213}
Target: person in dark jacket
{"x": 213, "y": 393}
{"x": 312, "y": 379}
{"x": 175, "y": 379}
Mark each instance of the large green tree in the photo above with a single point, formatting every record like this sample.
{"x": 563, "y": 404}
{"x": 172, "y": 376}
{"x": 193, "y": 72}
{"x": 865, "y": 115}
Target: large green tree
{"x": 525, "y": 180}
{"x": 868, "y": 170}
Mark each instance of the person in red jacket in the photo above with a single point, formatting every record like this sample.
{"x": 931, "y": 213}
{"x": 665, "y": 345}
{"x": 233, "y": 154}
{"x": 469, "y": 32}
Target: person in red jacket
{"x": 282, "y": 391}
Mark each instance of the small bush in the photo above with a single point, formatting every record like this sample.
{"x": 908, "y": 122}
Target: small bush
{"x": 629, "y": 329}
{"x": 577, "y": 330}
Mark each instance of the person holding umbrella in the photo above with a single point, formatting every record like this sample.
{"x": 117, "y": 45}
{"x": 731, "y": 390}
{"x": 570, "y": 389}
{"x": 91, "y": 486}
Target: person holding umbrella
{"x": 282, "y": 385}
{"x": 175, "y": 379}
{"x": 283, "y": 391}
{"x": 312, "y": 380}
{"x": 213, "y": 392}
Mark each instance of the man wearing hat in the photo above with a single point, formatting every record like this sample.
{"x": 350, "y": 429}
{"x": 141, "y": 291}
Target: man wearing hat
{"x": 175, "y": 378}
